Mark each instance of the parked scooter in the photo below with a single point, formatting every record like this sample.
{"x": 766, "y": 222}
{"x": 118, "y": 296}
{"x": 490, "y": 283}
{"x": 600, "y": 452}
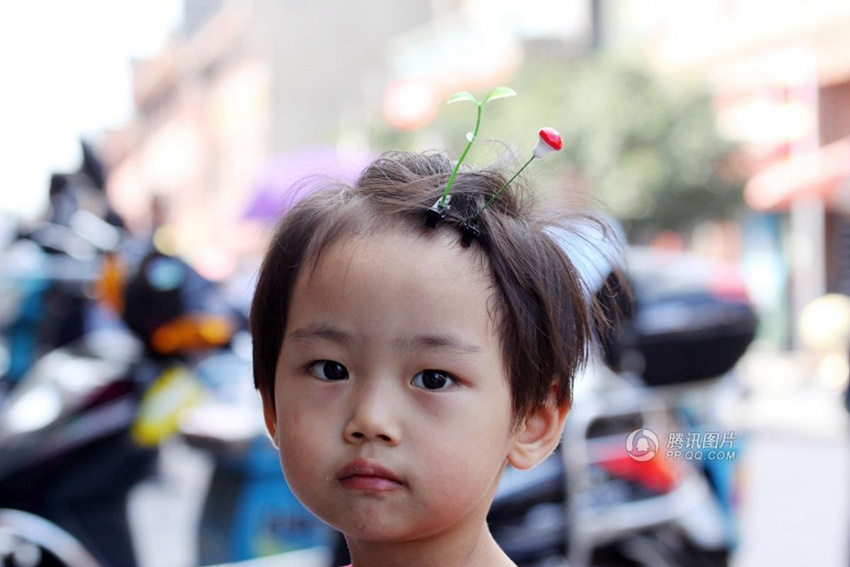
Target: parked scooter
{"x": 595, "y": 502}
{"x": 68, "y": 453}
{"x": 88, "y": 394}
{"x": 82, "y": 427}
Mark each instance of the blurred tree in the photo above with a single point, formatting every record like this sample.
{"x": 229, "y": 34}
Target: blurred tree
{"x": 647, "y": 147}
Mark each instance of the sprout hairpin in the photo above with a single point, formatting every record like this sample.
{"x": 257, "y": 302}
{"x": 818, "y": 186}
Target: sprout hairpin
{"x": 438, "y": 210}
{"x": 548, "y": 140}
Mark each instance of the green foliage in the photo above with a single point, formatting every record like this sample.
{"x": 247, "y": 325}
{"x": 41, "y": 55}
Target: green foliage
{"x": 499, "y": 92}
{"x": 463, "y": 95}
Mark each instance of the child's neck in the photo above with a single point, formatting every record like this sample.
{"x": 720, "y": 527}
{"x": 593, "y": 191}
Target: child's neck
{"x": 451, "y": 549}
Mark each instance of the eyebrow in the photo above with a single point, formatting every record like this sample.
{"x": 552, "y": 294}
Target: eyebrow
{"x": 427, "y": 342}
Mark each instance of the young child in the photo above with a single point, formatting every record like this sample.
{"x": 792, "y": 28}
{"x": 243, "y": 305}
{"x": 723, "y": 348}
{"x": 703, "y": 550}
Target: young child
{"x": 401, "y": 371}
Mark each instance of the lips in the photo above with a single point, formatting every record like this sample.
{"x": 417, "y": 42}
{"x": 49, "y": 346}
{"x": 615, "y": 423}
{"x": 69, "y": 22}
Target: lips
{"x": 369, "y": 476}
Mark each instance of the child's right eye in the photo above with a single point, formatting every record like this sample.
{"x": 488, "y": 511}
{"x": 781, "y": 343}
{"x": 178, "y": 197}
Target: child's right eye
{"x": 329, "y": 370}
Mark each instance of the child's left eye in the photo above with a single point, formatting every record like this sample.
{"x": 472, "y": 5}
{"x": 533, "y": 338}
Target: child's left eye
{"x": 433, "y": 380}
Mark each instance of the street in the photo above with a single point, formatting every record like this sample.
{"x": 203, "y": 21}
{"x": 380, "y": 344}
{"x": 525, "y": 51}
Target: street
{"x": 797, "y": 496}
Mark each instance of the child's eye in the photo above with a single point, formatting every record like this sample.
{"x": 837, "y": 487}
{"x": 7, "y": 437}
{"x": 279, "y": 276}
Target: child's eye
{"x": 329, "y": 370}
{"x": 433, "y": 380}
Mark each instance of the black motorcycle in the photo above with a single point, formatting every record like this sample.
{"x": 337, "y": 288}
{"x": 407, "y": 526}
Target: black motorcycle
{"x": 591, "y": 503}
{"x": 81, "y": 425}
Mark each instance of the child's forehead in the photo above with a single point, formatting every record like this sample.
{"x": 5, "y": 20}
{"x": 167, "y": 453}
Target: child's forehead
{"x": 432, "y": 255}
{"x": 430, "y": 276}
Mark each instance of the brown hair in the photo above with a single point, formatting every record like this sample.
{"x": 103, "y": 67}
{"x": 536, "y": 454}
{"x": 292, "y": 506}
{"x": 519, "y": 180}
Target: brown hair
{"x": 545, "y": 315}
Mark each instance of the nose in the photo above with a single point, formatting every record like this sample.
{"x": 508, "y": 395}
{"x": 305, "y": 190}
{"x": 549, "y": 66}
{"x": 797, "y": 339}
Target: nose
{"x": 373, "y": 418}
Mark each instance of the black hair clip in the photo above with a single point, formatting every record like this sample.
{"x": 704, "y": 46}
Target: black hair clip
{"x": 470, "y": 231}
{"x": 438, "y": 211}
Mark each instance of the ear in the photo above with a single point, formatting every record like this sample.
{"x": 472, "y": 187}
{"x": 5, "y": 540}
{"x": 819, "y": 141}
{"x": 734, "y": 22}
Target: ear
{"x": 270, "y": 417}
{"x": 539, "y": 434}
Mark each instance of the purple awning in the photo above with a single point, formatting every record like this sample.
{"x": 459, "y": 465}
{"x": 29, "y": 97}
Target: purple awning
{"x": 287, "y": 178}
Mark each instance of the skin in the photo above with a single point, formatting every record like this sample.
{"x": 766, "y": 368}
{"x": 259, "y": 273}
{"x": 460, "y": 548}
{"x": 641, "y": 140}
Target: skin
{"x": 448, "y": 446}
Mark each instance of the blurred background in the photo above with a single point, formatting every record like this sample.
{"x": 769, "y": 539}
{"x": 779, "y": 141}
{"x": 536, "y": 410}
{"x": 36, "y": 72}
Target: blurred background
{"x": 149, "y": 147}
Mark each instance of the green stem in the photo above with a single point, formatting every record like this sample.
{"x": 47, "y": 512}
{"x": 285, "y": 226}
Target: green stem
{"x": 496, "y": 194}
{"x": 462, "y": 156}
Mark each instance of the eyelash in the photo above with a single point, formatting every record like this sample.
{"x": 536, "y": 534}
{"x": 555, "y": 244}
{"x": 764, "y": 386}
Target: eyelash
{"x": 452, "y": 380}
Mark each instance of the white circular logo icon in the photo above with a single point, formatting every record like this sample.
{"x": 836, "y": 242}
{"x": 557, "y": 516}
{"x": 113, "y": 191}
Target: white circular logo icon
{"x": 642, "y": 444}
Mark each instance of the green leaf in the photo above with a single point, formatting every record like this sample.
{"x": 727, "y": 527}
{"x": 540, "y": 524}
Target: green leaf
{"x": 463, "y": 95}
{"x": 470, "y": 136}
{"x": 499, "y": 92}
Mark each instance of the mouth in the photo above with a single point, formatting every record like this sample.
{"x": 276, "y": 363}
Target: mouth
{"x": 368, "y": 476}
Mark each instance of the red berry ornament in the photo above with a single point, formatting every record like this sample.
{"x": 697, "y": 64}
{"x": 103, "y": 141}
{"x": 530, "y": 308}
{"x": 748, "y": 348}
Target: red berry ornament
{"x": 549, "y": 140}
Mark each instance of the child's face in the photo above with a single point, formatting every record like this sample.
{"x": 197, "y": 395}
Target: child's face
{"x": 372, "y": 376}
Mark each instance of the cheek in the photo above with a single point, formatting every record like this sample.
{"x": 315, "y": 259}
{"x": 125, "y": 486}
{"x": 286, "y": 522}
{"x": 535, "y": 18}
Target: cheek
{"x": 303, "y": 453}
{"x": 464, "y": 452}
{"x": 457, "y": 477}
{"x": 302, "y": 432}
{"x": 300, "y": 427}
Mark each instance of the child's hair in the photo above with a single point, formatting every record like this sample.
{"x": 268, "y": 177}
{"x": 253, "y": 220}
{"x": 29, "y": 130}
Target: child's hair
{"x": 545, "y": 316}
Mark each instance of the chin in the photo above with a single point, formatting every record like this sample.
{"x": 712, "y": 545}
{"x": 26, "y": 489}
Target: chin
{"x": 372, "y": 529}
